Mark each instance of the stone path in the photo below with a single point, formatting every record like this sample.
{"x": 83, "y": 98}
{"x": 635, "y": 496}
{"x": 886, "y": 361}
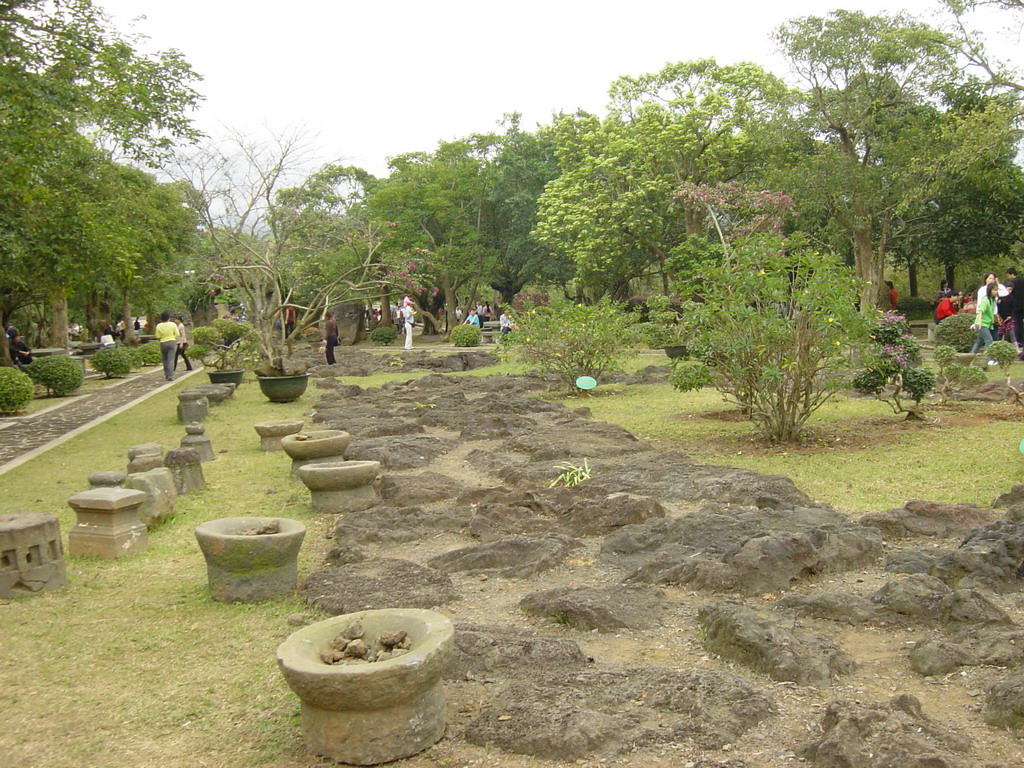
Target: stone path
{"x": 26, "y": 436}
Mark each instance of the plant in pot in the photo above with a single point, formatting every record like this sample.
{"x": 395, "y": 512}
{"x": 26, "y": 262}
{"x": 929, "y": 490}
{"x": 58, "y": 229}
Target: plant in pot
{"x": 664, "y": 328}
{"x": 226, "y": 347}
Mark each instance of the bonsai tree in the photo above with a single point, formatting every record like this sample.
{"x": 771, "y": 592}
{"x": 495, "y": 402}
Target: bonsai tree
{"x": 893, "y": 374}
{"x": 225, "y": 345}
{"x": 955, "y": 376}
{"x": 664, "y": 327}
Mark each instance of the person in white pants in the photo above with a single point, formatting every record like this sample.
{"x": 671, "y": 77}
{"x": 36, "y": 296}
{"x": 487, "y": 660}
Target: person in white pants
{"x": 409, "y": 319}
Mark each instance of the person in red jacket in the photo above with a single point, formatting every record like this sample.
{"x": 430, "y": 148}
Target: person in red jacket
{"x": 947, "y": 307}
{"x": 893, "y": 296}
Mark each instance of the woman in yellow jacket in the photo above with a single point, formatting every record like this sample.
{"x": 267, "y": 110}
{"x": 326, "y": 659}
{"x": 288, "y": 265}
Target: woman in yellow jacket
{"x": 167, "y": 334}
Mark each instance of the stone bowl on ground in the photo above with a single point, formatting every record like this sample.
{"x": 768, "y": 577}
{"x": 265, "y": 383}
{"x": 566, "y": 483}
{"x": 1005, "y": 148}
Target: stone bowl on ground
{"x": 338, "y": 475}
{"x": 376, "y": 712}
{"x": 271, "y": 432}
{"x": 250, "y": 559}
{"x": 336, "y": 487}
{"x": 315, "y": 445}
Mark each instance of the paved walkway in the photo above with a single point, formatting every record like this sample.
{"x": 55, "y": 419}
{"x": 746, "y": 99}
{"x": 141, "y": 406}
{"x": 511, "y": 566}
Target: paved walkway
{"x": 24, "y": 437}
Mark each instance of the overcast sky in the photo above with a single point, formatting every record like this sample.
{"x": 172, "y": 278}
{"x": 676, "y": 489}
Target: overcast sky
{"x": 376, "y": 79}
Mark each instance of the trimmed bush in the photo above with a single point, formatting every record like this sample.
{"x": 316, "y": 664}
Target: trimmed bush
{"x": 384, "y": 335}
{"x": 956, "y": 332}
{"x": 59, "y": 374}
{"x": 148, "y": 353}
{"x": 466, "y": 336}
{"x": 915, "y": 308}
{"x": 115, "y": 363}
{"x": 16, "y": 390}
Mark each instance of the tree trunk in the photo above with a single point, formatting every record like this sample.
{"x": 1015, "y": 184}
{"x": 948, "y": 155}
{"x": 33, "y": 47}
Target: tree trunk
{"x": 912, "y": 278}
{"x": 59, "y": 321}
{"x": 130, "y": 337}
{"x": 950, "y": 270}
{"x": 449, "y": 305}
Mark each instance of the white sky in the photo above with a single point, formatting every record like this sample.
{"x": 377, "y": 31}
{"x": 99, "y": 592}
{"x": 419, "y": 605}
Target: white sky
{"x": 375, "y": 79}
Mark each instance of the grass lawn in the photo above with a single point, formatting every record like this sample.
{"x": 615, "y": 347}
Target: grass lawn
{"x": 132, "y": 664}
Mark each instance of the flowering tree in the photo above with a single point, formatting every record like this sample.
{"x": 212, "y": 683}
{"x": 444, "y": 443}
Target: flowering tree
{"x": 893, "y": 374}
{"x": 771, "y": 329}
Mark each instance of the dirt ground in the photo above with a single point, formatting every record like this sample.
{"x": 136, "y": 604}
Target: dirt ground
{"x": 883, "y": 671}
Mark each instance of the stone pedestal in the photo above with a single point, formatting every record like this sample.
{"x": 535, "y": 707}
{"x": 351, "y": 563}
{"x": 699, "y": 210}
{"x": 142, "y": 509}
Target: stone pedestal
{"x": 249, "y": 559}
{"x": 197, "y": 438}
{"x": 31, "y": 557}
{"x": 108, "y": 523}
{"x": 107, "y": 480}
{"x": 216, "y": 393}
{"x": 161, "y": 494}
{"x": 192, "y": 406}
{"x": 316, "y": 445}
{"x": 372, "y": 713}
{"x": 271, "y": 432}
{"x": 341, "y": 486}
{"x": 186, "y": 468}
{"x": 144, "y": 457}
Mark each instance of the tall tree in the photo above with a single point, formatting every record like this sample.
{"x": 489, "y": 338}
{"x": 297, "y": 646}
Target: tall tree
{"x": 613, "y": 209}
{"x": 877, "y": 88}
{"x": 65, "y": 72}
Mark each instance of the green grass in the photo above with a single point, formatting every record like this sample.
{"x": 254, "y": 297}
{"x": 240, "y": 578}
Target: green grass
{"x": 881, "y": 461}
{"x": 133, "y": 664}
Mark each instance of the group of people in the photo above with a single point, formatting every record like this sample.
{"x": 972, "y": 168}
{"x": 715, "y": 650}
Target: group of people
{"x": 998, "y": 309}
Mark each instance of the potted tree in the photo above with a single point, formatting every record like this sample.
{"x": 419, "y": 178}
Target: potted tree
{"x": 664, "y": 329}
{"x": 226, "y": 347}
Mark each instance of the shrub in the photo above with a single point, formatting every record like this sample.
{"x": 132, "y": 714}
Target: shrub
{"x": 892, "y": 374}
{"x": 225, "y": 344}
{"x": 59, "y": 374}
{"x": 466, "y": 336}
{"x": 115, "y": 363}
{"x": 148, "y": 353}
{"x": 916, "y": 308}
{"x": 955, "y": 376}
{"x": 957, "y": 332}
{"x": 571, "y": 340}
{"x": 16, "y": 390}
{"x": 773, "y": 323}
{"x": 686, "y": 377}
{"x": 384, "y": 335}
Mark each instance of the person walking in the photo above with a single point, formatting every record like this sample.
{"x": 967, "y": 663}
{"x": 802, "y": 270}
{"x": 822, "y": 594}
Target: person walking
{"x": 182, "y": 344}
{"x": 408, "y": 321}
{"x": 987, "y": 319}
{"x": 1016, "y": 286}
{"x": 167, "y": 334}
{"x": 330, "y": 336}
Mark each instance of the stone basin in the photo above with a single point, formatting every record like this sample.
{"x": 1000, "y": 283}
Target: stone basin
{"x": 338, "y": 475}
{"x": 272, "y": 432}
{"x": 249, "y": 568}
{"x": 317, "y": 444}
{"x": 339, "y": 486}
{"x": 373, "y": 713}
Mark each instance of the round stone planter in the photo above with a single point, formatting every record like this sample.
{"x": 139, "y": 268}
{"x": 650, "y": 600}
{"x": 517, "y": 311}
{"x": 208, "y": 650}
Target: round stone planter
{"x": 271, "y": 432}
{"x": 341, "y": 486}
{"x": 247, "y": 567}
{"x": 372, "y": 713}
{"x": 283, "y": 389}
{"x": 315, "y": 445}
{"x": 233, "y": 376}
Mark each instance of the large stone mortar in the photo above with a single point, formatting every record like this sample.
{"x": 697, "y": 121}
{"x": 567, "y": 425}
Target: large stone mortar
{"x": 316, "y": 445}
{"x": 341, "y": 486}
{"x": 370, "y": 713}
{"x": 271, "y": 432}
{"x": 249, "y": 568}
